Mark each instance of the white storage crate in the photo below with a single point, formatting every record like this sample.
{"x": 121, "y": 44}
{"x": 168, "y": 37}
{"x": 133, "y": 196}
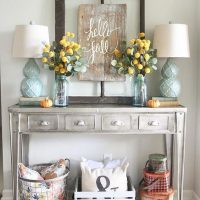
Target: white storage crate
{"x": 130, "y": 194}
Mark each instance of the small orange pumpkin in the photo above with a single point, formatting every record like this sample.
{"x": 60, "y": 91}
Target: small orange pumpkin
{"x": 153, "y": 103}
{"x": 46, "y": 103}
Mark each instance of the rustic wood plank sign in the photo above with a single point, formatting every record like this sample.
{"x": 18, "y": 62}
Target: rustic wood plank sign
{"x": 101, "y": 29}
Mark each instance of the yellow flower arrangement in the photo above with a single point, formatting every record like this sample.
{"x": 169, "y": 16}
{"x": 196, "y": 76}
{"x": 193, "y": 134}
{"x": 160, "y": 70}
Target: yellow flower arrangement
{"x": 137, "y": 58}
{"x": 64, "y": 58}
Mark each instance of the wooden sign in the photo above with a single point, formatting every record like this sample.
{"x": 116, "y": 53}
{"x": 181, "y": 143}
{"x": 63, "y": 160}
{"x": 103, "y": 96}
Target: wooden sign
{"x": 101, "y": 29}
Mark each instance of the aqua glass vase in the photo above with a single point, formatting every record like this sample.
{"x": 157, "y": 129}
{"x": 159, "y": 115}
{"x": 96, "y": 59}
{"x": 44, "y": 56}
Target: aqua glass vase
{"x": 60, "y": 91}
{"x": 140, "y": 91}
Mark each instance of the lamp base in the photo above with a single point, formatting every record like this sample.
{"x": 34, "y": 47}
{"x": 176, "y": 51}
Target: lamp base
{"x": 169, "y": 85}
{"x": 31, "y": 86}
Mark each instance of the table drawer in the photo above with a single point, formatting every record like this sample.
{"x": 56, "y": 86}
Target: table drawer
{"x": 161, "y": 122}
{"x": 116, "y": 122}
{"x": 42, "y": 122}
{"x": 79, "y": 122}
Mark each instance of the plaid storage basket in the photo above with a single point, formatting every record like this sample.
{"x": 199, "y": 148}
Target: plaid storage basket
{"x": 156, "y": 182}
{"x": 144, "y": 195}
{"x": 52, "y": 189}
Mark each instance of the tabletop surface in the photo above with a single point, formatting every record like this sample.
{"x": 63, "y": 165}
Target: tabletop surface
{"x": 95, "y": 108}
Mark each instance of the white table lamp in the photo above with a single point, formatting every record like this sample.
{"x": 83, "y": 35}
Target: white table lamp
{"x": 171, "y": 41}
{"x": 28, "y": 43}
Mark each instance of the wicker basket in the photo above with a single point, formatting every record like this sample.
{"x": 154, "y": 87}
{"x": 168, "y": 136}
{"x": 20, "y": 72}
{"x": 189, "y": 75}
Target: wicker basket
{"x": 156, "y": 182}
{"x": 144, "y": 195}
{"x": 43, "y": 190}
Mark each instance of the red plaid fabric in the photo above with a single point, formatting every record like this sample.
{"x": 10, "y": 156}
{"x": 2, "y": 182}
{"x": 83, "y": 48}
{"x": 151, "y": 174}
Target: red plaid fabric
{"x": 156, "y": 182}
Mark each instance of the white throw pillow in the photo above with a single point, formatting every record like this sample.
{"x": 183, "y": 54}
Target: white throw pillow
{"x": 114, "y": 163}
{"x": 104, "y": 179}
{"x": 93, "y": 164}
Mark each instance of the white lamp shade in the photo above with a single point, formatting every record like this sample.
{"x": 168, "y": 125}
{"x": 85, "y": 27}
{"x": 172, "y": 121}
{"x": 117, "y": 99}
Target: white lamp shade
{"x": 29, "y": 41}
{"x": 171, "y": 40}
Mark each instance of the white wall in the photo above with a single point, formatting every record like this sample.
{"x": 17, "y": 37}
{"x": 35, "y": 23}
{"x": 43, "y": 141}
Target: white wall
{"x": 136, "y": 147}
{"x": 197, "y": 152}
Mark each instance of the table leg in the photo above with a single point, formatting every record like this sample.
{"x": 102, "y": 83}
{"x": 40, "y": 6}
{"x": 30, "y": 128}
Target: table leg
{"x": 25, "y": 149}
{"x": 169, "y": 143}
{"x": 14, "y": 141}
{"x": 180, "y": 153}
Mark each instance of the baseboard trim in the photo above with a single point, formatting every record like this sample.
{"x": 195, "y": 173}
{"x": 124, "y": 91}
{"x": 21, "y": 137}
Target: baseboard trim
{"x": 7, "y": 195}
{"x": 187, "y": 195}
{"x": 195, "y": 196}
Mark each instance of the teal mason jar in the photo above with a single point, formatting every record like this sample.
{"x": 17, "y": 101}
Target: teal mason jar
{"x": 60, "y": 91}
{"x": 140, "y": 91}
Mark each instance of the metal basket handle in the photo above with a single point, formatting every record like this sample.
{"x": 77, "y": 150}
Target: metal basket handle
{"x": 68, "y": 167}
{"x": 147, "y": 164}
{"x": 140, "y": 183}
{"x": 151, "y": 185}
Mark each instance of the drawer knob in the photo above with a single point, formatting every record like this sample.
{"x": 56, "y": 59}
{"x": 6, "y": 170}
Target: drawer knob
{"x": 117, "y": 123}
{"x": 44, "y": 123}
{"x": 153, "y": 123}
{"x": 81, "y": 123}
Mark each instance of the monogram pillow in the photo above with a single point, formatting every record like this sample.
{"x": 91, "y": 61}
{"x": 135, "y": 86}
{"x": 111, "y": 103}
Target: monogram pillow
{"x": 104, "y": 178}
